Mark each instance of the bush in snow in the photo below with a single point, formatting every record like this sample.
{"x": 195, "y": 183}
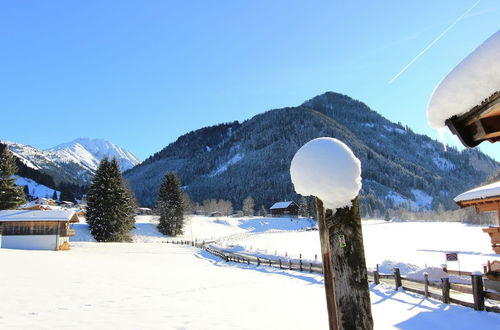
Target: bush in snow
{"x": 110, "y": 206}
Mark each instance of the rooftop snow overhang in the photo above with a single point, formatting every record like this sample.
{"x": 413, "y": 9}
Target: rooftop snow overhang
{"x": 481, "y": 123}
{"x": 482, "y": 205}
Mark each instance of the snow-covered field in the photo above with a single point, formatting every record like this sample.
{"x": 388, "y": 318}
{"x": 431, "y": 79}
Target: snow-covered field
{"x": 152, "y": 285}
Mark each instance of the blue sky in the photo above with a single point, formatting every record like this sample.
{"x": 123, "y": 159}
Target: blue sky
{"x": 142, "y": 73}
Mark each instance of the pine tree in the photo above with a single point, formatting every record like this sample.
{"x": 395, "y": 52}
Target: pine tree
{"x": 11, "y": 196}
{"x": 110, "y": 206}
{"x": 304, "y": 207}
{"x": 248, "y": 206}
{"x": 66, "y": 195}
{"x": 169, "y": 206}
{"x": 54, "y": 196}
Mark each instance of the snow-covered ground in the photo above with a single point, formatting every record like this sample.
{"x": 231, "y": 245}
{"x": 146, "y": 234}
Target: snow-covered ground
{"x": 154, "y": 285}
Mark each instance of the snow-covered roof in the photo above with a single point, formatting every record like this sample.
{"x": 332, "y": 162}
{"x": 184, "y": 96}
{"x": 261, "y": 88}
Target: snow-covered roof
{"x": 281, "y": 205}
{"x": 29, "y": 215}
{"x": 487, "y": 191}
{"x": 473, "y": 80}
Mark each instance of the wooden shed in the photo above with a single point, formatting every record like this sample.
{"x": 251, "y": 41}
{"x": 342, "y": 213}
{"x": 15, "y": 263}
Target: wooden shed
{"x": 36, "y": 230}
{"x": 280, "y": 209}
{"x": 484, "y": 199}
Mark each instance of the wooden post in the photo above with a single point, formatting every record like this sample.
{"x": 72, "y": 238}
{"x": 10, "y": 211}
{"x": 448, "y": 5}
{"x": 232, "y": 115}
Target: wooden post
{"x": 280, "y": 263}
{"x": 258, "y": 261}
{"x": 477, "y": 291}
{"x": 300, "y": 264}
{"x": 344, "y": 267}
{"x": 376, "y": 276}
{"x": 331, "y": 303}
{"x": 315, "y": 257}
{"x": 310, "y": 267}
{"x": 426, "y": 284}
{"x": 397, "y": 278}
{"x": 270, "y": 263}
{"x": 289, "y": 264}
{"x": 445, "y": 288}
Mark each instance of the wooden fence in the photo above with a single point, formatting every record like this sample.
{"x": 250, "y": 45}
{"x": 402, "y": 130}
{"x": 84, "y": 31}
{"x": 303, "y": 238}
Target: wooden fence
{"x": 469, "y": 295}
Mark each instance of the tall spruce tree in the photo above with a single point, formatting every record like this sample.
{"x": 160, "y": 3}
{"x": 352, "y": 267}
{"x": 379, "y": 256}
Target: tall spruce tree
{"x": 110, "y": 206}
{"x": 304, "y": 207}
{"x": 11, "y": 196}
{"x": 169, "y": 206}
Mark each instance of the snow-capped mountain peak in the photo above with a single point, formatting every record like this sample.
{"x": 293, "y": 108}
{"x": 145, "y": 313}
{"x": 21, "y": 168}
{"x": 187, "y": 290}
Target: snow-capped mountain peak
{"x": 73, "y": 162}
{"x": 90, "y": 151}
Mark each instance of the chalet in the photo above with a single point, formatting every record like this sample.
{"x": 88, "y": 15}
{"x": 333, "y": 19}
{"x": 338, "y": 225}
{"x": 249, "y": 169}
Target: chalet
{"x": 484, "y": 199}
{"x": 35, "y": 207}
{"x": 143, "y": 211}
{"x": 281, "y": 209}
{"x": 44, "y": 201}
{"x": 36, "y": 230}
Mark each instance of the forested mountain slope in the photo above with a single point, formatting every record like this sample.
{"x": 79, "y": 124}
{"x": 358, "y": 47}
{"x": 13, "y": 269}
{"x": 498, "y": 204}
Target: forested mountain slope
{"x": 231, "y": 161}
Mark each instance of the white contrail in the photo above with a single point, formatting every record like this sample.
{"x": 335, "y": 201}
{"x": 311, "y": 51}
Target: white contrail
{"x": 434, "y": 41}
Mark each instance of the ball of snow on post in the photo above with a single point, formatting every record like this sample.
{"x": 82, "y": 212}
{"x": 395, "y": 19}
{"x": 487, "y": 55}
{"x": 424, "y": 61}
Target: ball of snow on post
{"x": 327, "y": 168}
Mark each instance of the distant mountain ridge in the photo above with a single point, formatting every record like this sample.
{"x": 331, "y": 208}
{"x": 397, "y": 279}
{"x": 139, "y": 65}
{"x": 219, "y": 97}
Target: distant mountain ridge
{"x": 234, "y": 160}
{"x": 90, "y": 151}
{"x": 72, "y": 163}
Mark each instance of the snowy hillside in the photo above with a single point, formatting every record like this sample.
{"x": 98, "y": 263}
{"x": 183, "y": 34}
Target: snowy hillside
{"x": 35, "y": 189}
{"x": 73, "y": 162}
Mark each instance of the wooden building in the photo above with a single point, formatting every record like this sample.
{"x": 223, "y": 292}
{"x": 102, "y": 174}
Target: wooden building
{"x": 484, "y": 199}
{"x": 284, "y": 209}
{"x": 36, "y": 230}
{"x": 481, "y": 123}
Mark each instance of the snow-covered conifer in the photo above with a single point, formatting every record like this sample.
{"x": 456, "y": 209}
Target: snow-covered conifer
{"x": 304, "y": 207}
{"x": 11, "y": 196}
{"x": 169, "y": 206}
{"x": 110, "y": 206}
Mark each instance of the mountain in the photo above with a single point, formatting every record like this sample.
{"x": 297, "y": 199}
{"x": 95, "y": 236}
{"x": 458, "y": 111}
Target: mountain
{"x": 89, "y": 152}
{"x": 234, "y": 160}
{"x": 70, "y": 164}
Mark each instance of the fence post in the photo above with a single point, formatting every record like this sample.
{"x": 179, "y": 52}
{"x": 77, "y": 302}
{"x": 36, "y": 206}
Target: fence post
{"x": 445, "y": 287}
{"x": 300, "y": 264}
{"x": 397, "y": 278}
{"x": 258, "y": 261}
{"x": 290, "y": 264}
{"x": 376, "y": 277}
{"x": 270, "y": 263}
{"x": 280, "y": 263}
{"x": 477, "y": 291}
{"x": 426, "y": 284}
{"x": 310, "y": 267}
{"x": 248, "y": 261}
